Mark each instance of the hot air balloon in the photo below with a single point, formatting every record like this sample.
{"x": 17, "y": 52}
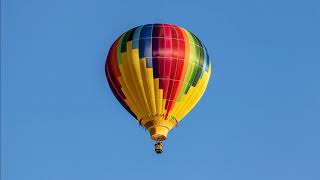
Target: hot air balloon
{"x": 158, "y": 72}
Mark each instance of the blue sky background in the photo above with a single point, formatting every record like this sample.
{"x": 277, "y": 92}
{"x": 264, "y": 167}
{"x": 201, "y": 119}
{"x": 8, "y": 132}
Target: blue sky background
{"x": 259, "y": 118}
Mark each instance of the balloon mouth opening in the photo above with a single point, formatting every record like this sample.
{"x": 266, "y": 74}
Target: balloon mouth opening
{"x": 158, "y": 137}
{"x": 159, "y": 133}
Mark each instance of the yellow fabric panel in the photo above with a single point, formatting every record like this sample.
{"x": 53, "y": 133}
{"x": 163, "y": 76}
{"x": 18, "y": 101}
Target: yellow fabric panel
{"x": 126, "y": 75}
{"x": 194, "y": 95}
{"x": 158, "y": 96}
{"x": 135, "y": 72}
{"x": 163, "y": 106}
{"x": 129, "y": 99}
{"x": 146, "y": 85}
{"x": 150, "y": 82}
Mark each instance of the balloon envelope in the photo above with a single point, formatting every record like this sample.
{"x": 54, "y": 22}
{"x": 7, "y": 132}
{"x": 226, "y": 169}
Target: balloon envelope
{"x": 158, "y": 72}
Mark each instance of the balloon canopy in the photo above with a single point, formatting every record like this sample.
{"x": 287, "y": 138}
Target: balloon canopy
{"x": 158, "y": 72}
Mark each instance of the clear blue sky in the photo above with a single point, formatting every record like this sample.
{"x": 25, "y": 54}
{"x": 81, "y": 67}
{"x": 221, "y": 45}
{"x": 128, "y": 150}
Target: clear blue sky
{"x": 258, "y": 120}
